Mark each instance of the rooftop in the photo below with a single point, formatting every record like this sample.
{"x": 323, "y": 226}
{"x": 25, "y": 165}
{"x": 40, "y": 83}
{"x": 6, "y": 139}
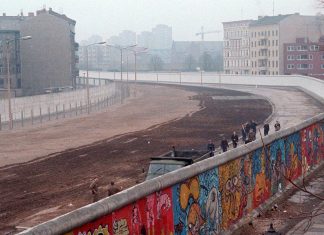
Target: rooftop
{"x": 269, "y": 20}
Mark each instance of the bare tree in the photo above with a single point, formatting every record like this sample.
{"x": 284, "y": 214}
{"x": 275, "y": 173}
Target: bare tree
{"x": 156, "y": 63}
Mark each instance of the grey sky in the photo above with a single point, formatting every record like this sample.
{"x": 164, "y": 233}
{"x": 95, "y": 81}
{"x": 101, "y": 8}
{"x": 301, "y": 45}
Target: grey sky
{"x": 109, "y": 17}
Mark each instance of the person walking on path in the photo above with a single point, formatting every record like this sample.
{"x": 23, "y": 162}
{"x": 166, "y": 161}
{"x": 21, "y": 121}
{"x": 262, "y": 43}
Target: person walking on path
{"x": 224, "y": 144}
{"x": 247, "y": 128}
{"x": 94, "y": 189}
{"x": 113, "y": 189}
{"x": 211, "y": 148}
{"x": 266, "y": 129}
{"x": 277, "y": 126}
{"x": 251, "y": 136}
{"x": 173, "y": 152}
{"x": 253, "y": 125}
{"x": 243, "y": 133}
{"x": 234, "y": 139}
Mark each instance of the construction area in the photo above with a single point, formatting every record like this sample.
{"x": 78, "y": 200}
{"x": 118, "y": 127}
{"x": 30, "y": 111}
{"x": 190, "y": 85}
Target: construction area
{"x": 46, "y": 170}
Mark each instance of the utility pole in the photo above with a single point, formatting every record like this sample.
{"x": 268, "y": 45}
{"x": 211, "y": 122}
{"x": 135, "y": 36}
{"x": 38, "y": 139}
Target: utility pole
{"x": 9, "y": 84}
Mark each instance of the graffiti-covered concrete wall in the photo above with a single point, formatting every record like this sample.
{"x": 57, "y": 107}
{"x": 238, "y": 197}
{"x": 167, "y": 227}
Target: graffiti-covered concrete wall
{"x": 208, "y": 197}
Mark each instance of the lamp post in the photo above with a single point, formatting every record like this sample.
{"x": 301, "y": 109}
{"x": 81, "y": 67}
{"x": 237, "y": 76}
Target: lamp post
{"x": 87, "y": 56}
{"x": 8, "y": 76}
{"x": 120, "y": 48}
{"x": 136, "y": 51}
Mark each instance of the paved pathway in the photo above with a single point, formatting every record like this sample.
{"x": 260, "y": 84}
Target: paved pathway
{"x": 291, "y": 106}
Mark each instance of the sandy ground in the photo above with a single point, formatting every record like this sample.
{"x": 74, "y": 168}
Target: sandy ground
{"x": 36, "y": 191}
{"x": 117, "y": 144}
{"x": 155, "y": 102}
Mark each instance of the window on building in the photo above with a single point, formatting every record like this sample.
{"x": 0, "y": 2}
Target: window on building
{"x": 322, "y": 66}
{"x": 276, "y": 52}
{"x": 314, "y": 47}
{"x": 291, "y": 48}
{"x": 277, "y": 64}
{"x": 276, "y": 42}
{"x": 1, "y": 82}
{"x": 290, "y": 57}
{"x": 272, "y": 32}
{"x": 322, "y": 57}
{"x": 303, "y": 57}
{"x": 304, "y": 48}
{"x": 290, "y": 66}
{"x": 302, "y": 66}
{"x": 277, "y": 32}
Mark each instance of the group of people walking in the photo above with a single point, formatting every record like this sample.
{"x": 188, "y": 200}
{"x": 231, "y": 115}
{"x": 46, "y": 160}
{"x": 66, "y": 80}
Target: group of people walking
{"x": 248, "y": 131}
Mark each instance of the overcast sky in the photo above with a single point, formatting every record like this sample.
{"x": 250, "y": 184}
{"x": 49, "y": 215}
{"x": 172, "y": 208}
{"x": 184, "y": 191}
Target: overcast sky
{"x": 108, "y": 17}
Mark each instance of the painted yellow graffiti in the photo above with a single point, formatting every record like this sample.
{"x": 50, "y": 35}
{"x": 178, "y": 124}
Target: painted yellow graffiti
{"x": 230, "y": 188}
{"x": 120, "y": 227}
{"x": 195, "y": 220}
{"x": 187, "y": 190}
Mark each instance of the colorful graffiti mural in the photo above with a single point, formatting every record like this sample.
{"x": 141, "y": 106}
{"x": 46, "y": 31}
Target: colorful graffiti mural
{"x": 196, "y": 205}
{"x": 215, "y": 200}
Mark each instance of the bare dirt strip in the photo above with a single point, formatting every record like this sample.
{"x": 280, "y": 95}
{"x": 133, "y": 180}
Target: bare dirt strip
{"x": 36, "y": 191}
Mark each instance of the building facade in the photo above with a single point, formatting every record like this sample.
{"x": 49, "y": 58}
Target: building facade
{"x": 304, "y": 57}
{"x": 161, "y": 37}
{"x": 237, "y": 47}
{"x": 257, "y": 46}
{"x": 47, "y": 60}
{"x": 10, "y": 30}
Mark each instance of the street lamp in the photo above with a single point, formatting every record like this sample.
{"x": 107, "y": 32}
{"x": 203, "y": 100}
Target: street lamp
{"x": 120, "y": 48}
{"x": 136, "y": 51}
{"x": 8, "y": 76}
{"x": 87, "y": 56}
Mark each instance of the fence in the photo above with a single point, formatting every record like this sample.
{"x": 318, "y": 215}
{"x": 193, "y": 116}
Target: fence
{"x": 42, "y": 108}
{"x": 208, "y": 197}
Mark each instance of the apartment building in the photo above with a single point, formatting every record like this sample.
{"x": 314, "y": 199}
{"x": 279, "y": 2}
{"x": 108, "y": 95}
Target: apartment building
{"x": 304, "y": 57}
{"x": 269, "y": 34}
{"x": 237, "y": 47}
{"x": 49, "y": 59}
{"x": 257, "y": 46}
{"x": 10, "y": 30}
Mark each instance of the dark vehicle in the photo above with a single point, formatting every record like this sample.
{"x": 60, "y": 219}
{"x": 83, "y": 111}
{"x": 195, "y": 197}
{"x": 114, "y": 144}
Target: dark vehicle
{"x": 174, "y": 160}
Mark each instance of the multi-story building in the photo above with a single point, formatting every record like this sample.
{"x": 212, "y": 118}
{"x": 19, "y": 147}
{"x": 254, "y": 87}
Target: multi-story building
{"x": 127, "y": 38}
{"x": 237, "y": 47}
{"x": 161, "y": 37}
{"x": 10, "y": 30}
{"x": 124, "y": 38}
{"x": 144, "y": 39}
{"x": 304, "y": 57}
{"x": 257, "y": 46}
{"x": 269, "y": 34}
{"x": 49, "y": 59}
